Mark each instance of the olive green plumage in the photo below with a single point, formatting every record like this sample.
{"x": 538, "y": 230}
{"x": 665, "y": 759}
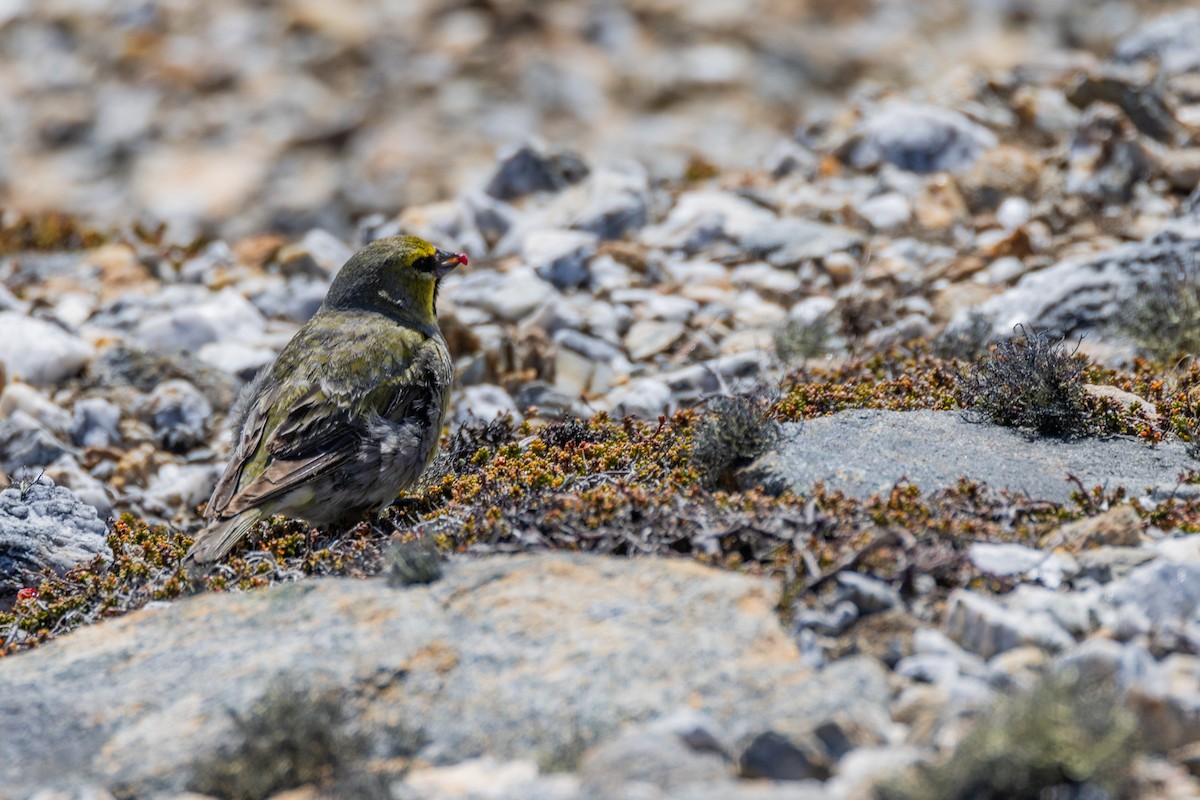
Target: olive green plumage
{"x": 350, "y": 412}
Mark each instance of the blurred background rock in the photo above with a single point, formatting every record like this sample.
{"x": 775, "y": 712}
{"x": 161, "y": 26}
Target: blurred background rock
{"x": 235, "y": 117}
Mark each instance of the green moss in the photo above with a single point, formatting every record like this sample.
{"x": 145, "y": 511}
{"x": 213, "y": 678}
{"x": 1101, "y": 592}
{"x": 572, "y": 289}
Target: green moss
{"x": 290, "y": 738}
{"x": 630, "y": 488}
{"x": 1069, "y": 733}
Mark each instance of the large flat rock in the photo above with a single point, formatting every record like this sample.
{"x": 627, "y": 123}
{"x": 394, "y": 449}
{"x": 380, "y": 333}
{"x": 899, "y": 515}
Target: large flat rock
{"x": 864, "y": 452}
{"x": 516, "y": 657}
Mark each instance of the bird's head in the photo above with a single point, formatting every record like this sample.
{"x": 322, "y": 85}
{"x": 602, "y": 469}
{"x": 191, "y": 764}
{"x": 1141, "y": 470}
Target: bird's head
{"x": 398, "y": 275}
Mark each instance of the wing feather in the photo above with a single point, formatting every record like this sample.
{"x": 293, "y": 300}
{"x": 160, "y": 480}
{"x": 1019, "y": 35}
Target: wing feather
{"x": 297, "y": 430}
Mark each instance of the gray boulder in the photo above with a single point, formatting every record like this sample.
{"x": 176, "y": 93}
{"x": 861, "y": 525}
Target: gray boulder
{"x": 856, "y": 452}
{"x": 1081, "y": 293}
{"x": 43, "y": 526}
{"x": 524, "y": 657}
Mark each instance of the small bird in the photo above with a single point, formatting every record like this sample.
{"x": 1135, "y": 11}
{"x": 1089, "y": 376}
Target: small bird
{"x": 351, "y": 411}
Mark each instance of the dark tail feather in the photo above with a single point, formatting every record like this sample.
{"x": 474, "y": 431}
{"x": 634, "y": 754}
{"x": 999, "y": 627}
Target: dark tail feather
{"x": 219, "y": 537}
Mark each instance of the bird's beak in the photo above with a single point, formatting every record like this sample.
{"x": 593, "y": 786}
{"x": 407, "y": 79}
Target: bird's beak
{"x": 448, "y": 261}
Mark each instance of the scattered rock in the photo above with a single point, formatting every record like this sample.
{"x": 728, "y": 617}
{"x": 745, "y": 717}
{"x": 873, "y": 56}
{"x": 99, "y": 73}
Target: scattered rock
{"x": 39, "y": 352}
{"x": 43, "y": 526}
{"x": 986, "y": 628}
{"x": 180, "y": 415}
{"x": 560, "y": 257}
{"x": 531, "y": 169}
{"x": 95, "y": 423}
{"x": 1118, "y": 527}
{"x": 918, "y": 138}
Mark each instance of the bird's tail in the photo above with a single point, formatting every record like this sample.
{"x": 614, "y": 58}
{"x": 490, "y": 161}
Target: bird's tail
{"x": 219, "y": 537}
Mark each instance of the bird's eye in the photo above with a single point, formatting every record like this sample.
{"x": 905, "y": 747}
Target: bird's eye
{"x": 426, "y": 263}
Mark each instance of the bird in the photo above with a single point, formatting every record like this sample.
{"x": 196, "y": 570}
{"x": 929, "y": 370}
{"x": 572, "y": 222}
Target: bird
{"x": 351, "y": 411}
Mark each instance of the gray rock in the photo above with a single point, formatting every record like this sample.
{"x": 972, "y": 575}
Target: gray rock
{"x": 121, "y": 366}
{"x": 39, "y": 352}
{"x": 727, "y": 374}
{"x": 484, "y": 402}
{"x": 1105, "y": 159}
{"x": 95, "y": 423}
{"x": 25, "y": 442}
{"x": 1104, "y": 564}
{"x": 516, "y": 657}
{"x": 919, "y": 139}
{"x": 658, "y": 759}
{"x": 869, "y": 595}
{"x": 180, "y": 488}
{"x": 1075, "y": 611}
{"x": 295, "y": 300}
{"x": 319, "y": 254}
{"x": 1005, "y": 559}
{"x": 180, "y": 415}
{"x": 43, "y": 526}
{"x": 646, "y": 398}
{"x": 865, "y": 452}
{"x": 985, "y": 627}
{"x": 774, "y": 757}
{"x": 792, "y": 241}
{"x": 242, "y": 360}
{"x": 508, "y": 296}
{"x": 615, "y": 203}
{"x": 1161, "y": 599}
{"x": 197, "y": 320}
{"x": 531, "y": 168}
{"x": 833, "y": 622}
{"x": 700, "y": 218}
{"x": 67, "y": 472}
{"x": 560, "y": 257}
{"x": 1135, "y": 91}
{"x": 1081, "y": 293}
{"x": 1169, "y": 39}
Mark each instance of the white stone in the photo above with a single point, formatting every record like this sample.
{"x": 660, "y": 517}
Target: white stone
{"x": 39, "y": 352}
{"x": 1014, "y": 212}
{"x": 484, "y": 402}
{"x": 648, "y": 338}
{"x": 886, "y": 211}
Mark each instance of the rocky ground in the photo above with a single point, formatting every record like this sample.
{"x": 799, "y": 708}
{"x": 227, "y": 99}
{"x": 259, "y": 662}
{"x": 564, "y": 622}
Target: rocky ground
{"x": 732, "y": 503}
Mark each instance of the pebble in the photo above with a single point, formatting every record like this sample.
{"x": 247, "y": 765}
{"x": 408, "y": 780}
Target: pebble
{"x": 484, "y": 403}
{"x": 648, "y": 337}
{"x": 95, "y": 423}
{"x": 180, "y": 415}
{"x": 1006, "y": 560}
{"x": 179, "y": 488}
{"x": 533, "y": 168}
{"x": 189, "y": 325}
{"x": 919, "y": 138}
{"x": 25, "y": 442}
{"x": 509, "y": 297}
{"x": 985, "y": 627}
{"x": 560, "y": 257}
{"x": 869, "y": 595}
{"x": 39, "y": 352}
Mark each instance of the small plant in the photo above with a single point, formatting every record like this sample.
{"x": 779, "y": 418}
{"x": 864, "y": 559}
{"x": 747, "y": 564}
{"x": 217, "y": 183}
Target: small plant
{"x": 965, "y": 342}
{"x": 735, "y": 431}
{"x": 413, "y": 562}
{"x": 1164, "y": 315}
{"x": 292, "y": 737}
{"x": 1031, "y": 382}
{"x": 799, "y": 340}
{"x": 1069, "y": 737}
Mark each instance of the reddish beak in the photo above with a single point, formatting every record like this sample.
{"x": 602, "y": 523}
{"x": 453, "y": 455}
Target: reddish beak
{"x": 448, "y": 261}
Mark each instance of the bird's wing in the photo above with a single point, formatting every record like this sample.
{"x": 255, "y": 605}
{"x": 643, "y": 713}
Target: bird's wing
{"x": 303, "y": 427}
